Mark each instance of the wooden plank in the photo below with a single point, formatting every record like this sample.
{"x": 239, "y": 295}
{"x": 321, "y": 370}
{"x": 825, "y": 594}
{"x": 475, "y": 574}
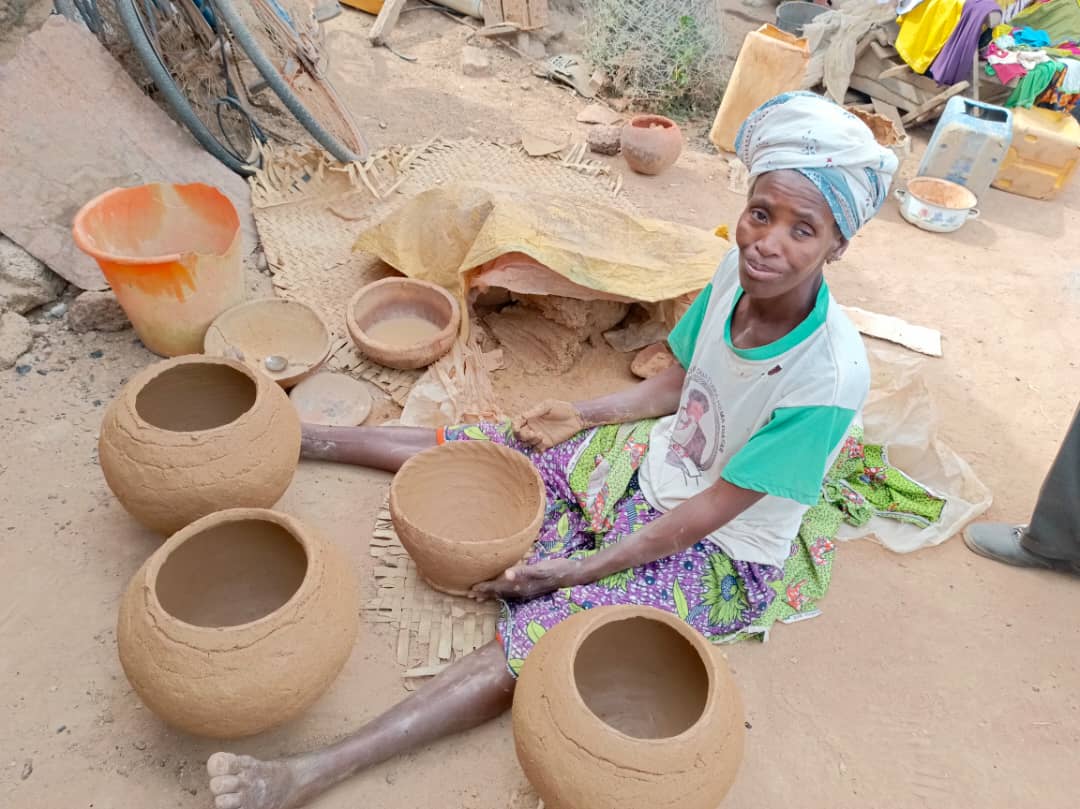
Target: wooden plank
{"x": 889, "y": 111}
{"x": 385, "y": 22}
{"x": 895, "y": 70}
{"x": 925, "y": 111}
{"x": 493, "y": 13}
{"x": 538, "y": 14}
{"x": 875, "y": 90}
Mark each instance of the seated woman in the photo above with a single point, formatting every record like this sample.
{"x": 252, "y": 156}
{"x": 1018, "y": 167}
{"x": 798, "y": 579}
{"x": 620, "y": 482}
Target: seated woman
{"x": 698, "y": 514}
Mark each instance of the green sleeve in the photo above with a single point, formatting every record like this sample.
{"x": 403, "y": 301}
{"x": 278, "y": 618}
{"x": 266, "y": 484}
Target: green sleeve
{"x": 683, "y": 337}
{"x": 789, "y": 456}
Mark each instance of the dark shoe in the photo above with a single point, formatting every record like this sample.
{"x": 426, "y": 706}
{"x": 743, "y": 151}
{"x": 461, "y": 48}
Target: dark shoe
{"x": 1002, "y": 543}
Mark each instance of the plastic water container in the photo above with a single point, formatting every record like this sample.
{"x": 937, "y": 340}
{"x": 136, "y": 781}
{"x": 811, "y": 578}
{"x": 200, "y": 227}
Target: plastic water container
{"x": 1044, "y": 153}
{"x": 793, "y": 15}
{"x": 171, "y": 253}
{"x": 969, "y": 144}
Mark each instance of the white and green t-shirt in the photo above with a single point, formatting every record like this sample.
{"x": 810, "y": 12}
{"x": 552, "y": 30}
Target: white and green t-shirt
{"x": 770, "y": 419}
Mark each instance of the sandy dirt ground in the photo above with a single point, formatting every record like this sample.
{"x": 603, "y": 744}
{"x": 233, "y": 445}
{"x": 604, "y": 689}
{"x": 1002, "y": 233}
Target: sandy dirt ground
{"x": 932, "y": 679}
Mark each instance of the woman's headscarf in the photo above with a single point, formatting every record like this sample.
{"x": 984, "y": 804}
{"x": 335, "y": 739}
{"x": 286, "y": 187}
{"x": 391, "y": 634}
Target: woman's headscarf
{"x": 827, "y": 145}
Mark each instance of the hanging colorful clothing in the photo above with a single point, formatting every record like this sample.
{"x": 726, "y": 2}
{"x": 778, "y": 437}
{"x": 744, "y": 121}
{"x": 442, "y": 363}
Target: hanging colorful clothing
{"x": 954, "y": 64}
{"x": 1033, "y": 84}
{"x": 1058, "y": 95}
{"x": 925, "y": 30}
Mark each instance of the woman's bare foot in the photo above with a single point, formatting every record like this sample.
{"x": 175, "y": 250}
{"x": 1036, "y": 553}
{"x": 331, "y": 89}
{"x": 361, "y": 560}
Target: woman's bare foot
{"x": 243, "y": 782}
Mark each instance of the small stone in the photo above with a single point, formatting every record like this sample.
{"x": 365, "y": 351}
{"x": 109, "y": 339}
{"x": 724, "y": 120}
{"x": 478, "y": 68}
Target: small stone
{"x": 525, "y": 86}
{"x": 275, "y": 363}
{"x": 23, "y": 370}
{"x": 61, "y": 729}
{"x": 474, "y": 62}
{"x": 27, "y": 769}
{"x": 652, "y": 360}
{"x": 139, "y": 745}
{"x": 97, "y": 354}
{"x": 96, "y": 311}
{"x": 383, "y": 125}
{"x": 25, "y": 282}
{"x": 56, "y": 312}
{"x": 40, "y": 329}
{"x": 605, "y": 139}
{"x": 16, "y": 338}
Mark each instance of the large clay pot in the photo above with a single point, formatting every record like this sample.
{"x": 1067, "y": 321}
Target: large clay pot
{"x": 193, "y": 435}
{"x": 238, "y": 623}
{"x": 627, "y": 708}
{"x": 466, "y": 511}
{"x": 651, "y": 143}
{"x": 402, "y": 301}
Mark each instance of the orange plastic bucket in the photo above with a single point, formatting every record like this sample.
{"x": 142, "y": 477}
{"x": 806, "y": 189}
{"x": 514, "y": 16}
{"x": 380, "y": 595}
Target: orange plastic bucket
{"x": 171, "y": 253}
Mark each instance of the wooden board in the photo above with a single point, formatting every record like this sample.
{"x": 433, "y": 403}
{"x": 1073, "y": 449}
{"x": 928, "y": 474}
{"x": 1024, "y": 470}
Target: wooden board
{"x": 525, "y": 15}
{"x": 886, "y": 327}
{"x": 385, "y": 22}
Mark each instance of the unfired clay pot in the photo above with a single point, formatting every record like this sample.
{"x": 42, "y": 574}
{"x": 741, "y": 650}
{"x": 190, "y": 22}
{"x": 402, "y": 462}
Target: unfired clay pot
{"x": 466, "y": 511}
{"x": 627, "y": 708}
{"x": 238, "y": 623}
{"x": 651, "y": 143}
{"x": 276, "y": 328}
{"x": 393, "y": 298}
{"x": 193, "y": 435}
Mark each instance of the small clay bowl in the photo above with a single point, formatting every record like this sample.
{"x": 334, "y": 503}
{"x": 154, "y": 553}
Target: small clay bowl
{"x": 271, "y": 328}
{"x": 466, "y": 511}
{"x": 393, "y": 298}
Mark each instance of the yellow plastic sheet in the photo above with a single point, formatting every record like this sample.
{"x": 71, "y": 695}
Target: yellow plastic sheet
{"x": 445, "y": 234}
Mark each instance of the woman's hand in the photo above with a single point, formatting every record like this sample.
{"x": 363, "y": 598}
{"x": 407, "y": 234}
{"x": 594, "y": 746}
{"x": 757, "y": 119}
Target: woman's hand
{"x": 527, "y": 581}
{"x": 549, "y": 423}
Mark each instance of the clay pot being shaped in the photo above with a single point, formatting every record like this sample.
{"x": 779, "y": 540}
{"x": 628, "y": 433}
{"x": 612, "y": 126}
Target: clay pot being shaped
{"x": 193, "y": 435}
{"x": 403, "y": 323}
{"x": 238, "y": 623}
{"x": 466, "y": 511}
{"x": 651, "y": 143}
{"x": 627, "y": 708}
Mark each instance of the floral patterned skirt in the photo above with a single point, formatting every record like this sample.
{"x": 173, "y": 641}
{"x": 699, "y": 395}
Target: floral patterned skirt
{"x": 713, "y": 593}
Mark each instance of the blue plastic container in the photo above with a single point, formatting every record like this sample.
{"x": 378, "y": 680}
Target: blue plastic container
{"x": 969, "y": 143}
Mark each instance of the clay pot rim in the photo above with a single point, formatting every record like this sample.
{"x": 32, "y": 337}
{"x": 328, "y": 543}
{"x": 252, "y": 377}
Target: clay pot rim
{"x": 705, "y": 650}
{"x": 284, "y": 378}
{"x": 161, "y": 556}
{"x": 149, "y": 374}
{"x": 359, "y": 335}
{"x": 83, "y": 241}
{"x": 647, "y": 120}
{"x": 450, "y": 446}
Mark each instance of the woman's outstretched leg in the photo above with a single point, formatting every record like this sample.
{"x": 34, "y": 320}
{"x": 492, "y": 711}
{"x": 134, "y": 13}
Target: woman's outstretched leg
{"x": 376, "y": 447}
{"x": 473, "y": 690}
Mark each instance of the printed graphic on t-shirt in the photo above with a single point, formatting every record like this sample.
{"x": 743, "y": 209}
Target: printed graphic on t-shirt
{"x": 698, "y": 434}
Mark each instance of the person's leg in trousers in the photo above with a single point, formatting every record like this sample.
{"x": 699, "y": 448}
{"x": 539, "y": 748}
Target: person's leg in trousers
{"x": 1052, "y": 540}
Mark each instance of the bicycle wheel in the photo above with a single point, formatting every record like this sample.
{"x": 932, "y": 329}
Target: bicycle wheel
{"x": 284, "y": 42}
{"x": 162, "y": 35}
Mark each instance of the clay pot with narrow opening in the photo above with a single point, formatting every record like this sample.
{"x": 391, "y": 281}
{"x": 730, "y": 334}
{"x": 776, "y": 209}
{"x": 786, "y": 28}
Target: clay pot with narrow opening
{"x": 238, "y": 623}
{"x": 193, "y": 435}
{"x": 627, "y": 708}
{"x": 377, "y": 306}
{"x": 466, "y": 511}
{"x": 651, "y": 143}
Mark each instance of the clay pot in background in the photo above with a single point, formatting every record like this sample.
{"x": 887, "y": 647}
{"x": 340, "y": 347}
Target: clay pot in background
{"x": 627, "y": 708}
{"x": 393, "y": 298}
{"x": 466, "y": 511}
{"x": 651, "y": 143}
{"x": 193, "y": 435}
{"x": 238, "y": 623}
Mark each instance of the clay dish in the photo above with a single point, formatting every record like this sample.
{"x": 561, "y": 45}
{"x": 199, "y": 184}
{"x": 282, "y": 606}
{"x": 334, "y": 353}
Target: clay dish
{"x": 333, "y": 399}
{"x": 271, "y": 327}
{"x": 466, "y": 511}
{"x": 192, "y": 435}
{"x": 397, "y": 298}
{"x": 238, "y": 623}
{"x": 627, "y": 706}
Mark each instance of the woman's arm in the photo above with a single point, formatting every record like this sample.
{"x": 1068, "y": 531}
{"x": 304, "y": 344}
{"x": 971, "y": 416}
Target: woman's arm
{"x": 552, "y": 422}
{"x": 701, "y": 515}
